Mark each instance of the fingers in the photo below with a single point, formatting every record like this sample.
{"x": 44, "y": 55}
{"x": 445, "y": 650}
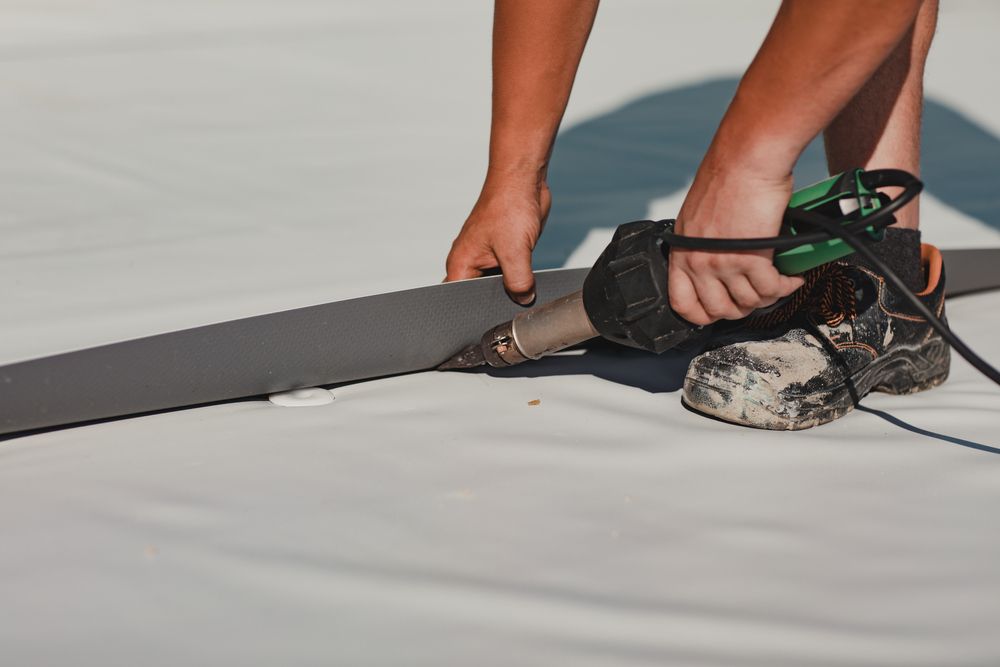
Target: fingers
{"x": 743, "y": 297}
{"x": 710, "y": 289}
{"x": 515, "y": 263}
{"x": 716, "y": 300}
{"x": 770, "y": 284}
{"x": 501, "y": 232}
{"x": 684, "y": 298}
{"x": 468, "y": 260}
{"x": 706, "y": 287}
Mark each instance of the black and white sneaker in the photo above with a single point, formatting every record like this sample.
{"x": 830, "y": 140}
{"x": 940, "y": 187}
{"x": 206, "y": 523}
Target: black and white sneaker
{"x": 844, "y": 334}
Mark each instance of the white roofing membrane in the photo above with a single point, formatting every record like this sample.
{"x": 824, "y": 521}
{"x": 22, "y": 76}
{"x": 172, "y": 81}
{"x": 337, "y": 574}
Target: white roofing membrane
{"x": 167, "y": 165}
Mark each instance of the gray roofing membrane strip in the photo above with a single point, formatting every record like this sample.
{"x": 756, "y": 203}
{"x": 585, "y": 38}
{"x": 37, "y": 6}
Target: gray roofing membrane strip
{"x": 367, "y": 337}
{"x": 356, "y": 339}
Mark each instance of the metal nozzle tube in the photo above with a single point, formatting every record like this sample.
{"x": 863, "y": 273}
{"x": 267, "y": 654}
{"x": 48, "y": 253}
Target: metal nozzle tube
{"x": 542, "y": 330}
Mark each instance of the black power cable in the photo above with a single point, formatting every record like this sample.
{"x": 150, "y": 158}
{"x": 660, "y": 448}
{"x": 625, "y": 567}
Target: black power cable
{"x": 854, "y": 234}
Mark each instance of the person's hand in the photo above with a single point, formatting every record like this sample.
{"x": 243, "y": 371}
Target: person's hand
{"x": 709, "y": 286}
{"x": 502, "y": 231}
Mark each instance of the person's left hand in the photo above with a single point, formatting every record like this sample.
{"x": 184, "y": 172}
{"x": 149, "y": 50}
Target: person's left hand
{"x": 707, "y": 286}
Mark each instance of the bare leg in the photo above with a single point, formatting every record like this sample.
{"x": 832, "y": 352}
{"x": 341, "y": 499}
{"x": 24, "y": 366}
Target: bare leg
{"x": 880, "y": 126}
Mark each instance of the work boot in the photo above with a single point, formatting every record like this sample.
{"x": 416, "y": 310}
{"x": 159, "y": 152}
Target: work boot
{"x": 844, "y": 334}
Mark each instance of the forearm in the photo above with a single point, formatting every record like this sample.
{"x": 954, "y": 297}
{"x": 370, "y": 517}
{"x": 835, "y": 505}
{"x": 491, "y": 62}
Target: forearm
{"x": 815, "y": 58}
{"x": 537, "y": 48}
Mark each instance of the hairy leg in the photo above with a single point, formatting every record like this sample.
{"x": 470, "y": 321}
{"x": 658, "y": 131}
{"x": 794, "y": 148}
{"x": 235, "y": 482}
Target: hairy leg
{"x": 880, "y": 126}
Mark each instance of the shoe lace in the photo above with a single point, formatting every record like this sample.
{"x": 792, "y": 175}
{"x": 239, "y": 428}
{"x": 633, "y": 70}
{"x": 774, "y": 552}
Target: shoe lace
{"x": 828, "y": 291}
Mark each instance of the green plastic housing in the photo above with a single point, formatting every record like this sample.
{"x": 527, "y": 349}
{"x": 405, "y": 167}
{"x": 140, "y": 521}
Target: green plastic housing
{"x": 835, "y": 197}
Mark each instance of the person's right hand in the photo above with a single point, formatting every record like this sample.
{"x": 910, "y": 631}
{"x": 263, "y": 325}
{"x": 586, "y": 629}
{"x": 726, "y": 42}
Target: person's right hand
{"x": 502, "y": 231}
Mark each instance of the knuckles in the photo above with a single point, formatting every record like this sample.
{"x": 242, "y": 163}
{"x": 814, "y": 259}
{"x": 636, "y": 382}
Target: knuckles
{"x": 719, "y": 262}
{"x": 697, "y": 262}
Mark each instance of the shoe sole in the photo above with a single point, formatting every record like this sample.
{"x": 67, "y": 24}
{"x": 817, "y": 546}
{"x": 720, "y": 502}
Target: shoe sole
{"x": 902, "y": 371}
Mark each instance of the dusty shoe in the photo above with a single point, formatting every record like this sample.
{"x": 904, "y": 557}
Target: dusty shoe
{"x": 845, "y": 334}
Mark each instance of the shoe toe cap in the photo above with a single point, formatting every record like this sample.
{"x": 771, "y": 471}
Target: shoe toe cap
{"x": 754, "y": 384}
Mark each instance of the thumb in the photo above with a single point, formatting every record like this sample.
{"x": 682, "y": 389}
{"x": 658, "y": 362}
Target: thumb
{"x": 517, "y": 276}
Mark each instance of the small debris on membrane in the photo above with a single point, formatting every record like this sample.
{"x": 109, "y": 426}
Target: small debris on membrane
{"x": 536, "y": 401}
{"x": 462, "y": 494}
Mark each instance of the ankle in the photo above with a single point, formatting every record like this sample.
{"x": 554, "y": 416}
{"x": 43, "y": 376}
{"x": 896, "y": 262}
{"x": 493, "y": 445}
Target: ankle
{"x": 900, "y": 251}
